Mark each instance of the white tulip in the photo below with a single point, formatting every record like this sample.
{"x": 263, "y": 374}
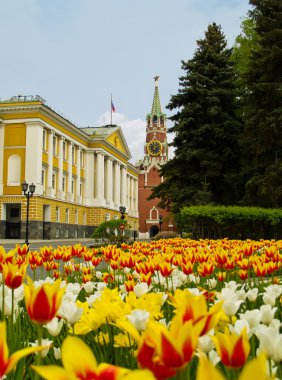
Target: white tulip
{"x": 88, "y": 287}
{"x": 267, "y": 313}
{"x": 126, "y": 270}
{"x": 57, "y": 353}
{"x": 252, "y": 317}
{"x": 240, "y": 325}
{"x": 268, "y": 299}
{"x": 252, "y": 294}
{"x": 70, "y": 312}
{"x": 270, "y": 342}
{"x": 98, "y": 274}
{"x": 214, "y": 358}
{"x": 212, "y": 283}
{"x": 205, "y": 343}
{"x": 54, "y": 327}
{"x": 44, "y": 342}
{"x": 231, "y": 307}
{"x": 139, "y": 318}
{"x": 100, "y": 286}
{"x": 141, "y": 289}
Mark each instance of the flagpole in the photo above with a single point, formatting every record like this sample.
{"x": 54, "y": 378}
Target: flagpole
{"x": 111, "y": 110}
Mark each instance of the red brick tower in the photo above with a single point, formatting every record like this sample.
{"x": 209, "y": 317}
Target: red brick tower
{"x": 152, "y": 218}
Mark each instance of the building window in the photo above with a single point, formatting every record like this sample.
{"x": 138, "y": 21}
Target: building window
{"x": 107, "y": 217}
{"x": 72, "y": 186}
{"x": 115, "y": 217}
{"x": 81, "y": 159}
{"x": 73, "y": 154}
{"x": 80, "y": 189}
{"x": 44, "y": 140}
{"x": 54, "y": 146}
{"x": 67, "y": 233}
{"x": 76, "y": 216}
{"x": 75, "y": 233}
{"x": 67, "y": 215}
{"x": 64, "y": 184}
{"x": 57, "y": 232}
{"x": 57, "y": 214}
{"x": 84, "y": 233}
{"x": 53, "y": 181}
{"x": 42, "y": 177}
{"x": 64, "y": 150}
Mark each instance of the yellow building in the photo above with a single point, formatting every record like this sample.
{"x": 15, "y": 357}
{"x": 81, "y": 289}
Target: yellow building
{"x": 82, "y": 175}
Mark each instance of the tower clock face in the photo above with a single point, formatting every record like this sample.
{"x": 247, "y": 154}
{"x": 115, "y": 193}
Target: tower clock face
{"x": 155, "y": 148}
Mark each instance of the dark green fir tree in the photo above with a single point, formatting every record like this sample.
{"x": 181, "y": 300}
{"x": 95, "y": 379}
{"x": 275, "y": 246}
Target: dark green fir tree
{"x": 207, "y": 128}
{"x": 263, "y": 112}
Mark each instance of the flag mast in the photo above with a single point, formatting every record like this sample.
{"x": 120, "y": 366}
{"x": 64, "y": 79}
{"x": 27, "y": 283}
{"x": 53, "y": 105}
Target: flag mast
{"x": 111, "y": 110}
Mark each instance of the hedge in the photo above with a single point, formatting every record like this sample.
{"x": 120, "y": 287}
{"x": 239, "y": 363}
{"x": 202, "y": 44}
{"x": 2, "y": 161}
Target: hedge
{"x": 234, "y": 222}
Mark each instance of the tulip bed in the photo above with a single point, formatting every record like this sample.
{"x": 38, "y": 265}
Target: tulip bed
{"x": 169, "y": 309}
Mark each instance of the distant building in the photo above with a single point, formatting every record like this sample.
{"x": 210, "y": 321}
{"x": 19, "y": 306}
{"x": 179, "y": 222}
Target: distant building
{"x": 151, "y": 217}
{"x": 82, "y": 175}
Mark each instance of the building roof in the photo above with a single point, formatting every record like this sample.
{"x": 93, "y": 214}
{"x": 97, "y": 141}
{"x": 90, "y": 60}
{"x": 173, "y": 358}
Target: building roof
{"x": 156, "y": 106}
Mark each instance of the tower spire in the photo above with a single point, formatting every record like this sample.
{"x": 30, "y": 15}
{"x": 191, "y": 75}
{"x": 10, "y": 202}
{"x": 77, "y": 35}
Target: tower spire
{"x": 156, "y": 106}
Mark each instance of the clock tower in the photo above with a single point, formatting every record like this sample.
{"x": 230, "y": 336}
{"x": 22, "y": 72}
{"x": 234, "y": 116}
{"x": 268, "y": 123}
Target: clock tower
{"x": 152, "y": 218}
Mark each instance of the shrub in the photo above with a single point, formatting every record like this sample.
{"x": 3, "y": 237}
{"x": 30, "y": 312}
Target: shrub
{"x": 234, "y": 222}
{"x": 110, "y": 231}
{"x": 165, "y": 235}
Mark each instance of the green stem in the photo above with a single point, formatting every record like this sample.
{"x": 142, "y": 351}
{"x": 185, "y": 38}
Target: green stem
{"x": 12, "y": 331}
{"x": 38, "y": 360}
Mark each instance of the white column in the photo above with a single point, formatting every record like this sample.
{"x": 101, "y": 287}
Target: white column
{"x": 117, "y": 184}
{"x": 131, "y": 195}
{"x": 123, "y": 187}
{"x": 33, "y": 155}
{"x": 60, "y": 165}
{"x": 78, "y": 181}
{"x": 89, "y": 178}
{"x": 99, "y": 177}
{"x": 69, "y": 193}
{"x": 135, "y": 197}
{"x": 50, "y": 191}
{"x": 2, "y": 128}
{"x": 109, "y": 182}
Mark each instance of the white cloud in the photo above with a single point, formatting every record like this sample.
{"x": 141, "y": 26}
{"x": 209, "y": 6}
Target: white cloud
{"x": 134, "y": 132}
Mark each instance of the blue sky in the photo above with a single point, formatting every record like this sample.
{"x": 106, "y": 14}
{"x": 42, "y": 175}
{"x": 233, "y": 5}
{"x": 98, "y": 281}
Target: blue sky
{"x": 75, "y": 53}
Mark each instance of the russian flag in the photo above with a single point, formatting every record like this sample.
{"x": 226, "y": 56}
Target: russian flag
{"x": 113, "y": 107}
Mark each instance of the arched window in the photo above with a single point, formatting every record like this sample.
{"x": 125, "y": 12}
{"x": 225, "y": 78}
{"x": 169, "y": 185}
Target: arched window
{"x": 14, "y": 170}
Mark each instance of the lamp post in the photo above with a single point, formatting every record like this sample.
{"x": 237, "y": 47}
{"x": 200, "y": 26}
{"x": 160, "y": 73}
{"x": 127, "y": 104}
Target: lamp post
{"x": 28, "y": 191}
{"x": 160, "y": 222}
{"x": 122, "y": 210}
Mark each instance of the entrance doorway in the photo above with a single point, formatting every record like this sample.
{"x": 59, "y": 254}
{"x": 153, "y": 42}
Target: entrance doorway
{"x": 153, "y": 231}
{"x": 46, "y": 222}
{"x": 13, "y": 220}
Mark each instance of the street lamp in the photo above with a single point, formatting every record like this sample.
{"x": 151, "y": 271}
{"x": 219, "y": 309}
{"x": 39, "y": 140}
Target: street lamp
{"x": 28, "y": 191}
{"x": 122, "y": 210}
{"x": 160, "y": 222}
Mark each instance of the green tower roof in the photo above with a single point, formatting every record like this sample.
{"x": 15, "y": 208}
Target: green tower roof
{"x": 156, "y": 106}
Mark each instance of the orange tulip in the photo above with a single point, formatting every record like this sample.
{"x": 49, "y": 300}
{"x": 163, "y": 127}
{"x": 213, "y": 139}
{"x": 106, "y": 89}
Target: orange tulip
{"x": 13, "y": 275}
{"x": 205, "y": 269}
{"x": 232, "y": 349}
{"x": 165, "y": 351}
{"x": 43, "y": 302}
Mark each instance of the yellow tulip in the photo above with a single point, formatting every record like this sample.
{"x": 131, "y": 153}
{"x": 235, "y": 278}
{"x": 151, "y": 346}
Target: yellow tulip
{"x": 85, "y": 366}
{"x": 7, "y": 363}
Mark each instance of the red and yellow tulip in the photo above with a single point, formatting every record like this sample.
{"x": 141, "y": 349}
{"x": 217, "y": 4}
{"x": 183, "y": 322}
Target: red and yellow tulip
{"x": 43, "y": 302}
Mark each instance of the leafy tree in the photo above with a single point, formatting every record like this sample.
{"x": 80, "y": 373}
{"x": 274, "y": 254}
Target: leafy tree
{"x": 111, "y": 232}
{"x": 245, "y": 45}
{"x": 205, "y": 167}
{"x": 263, "y": 113}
